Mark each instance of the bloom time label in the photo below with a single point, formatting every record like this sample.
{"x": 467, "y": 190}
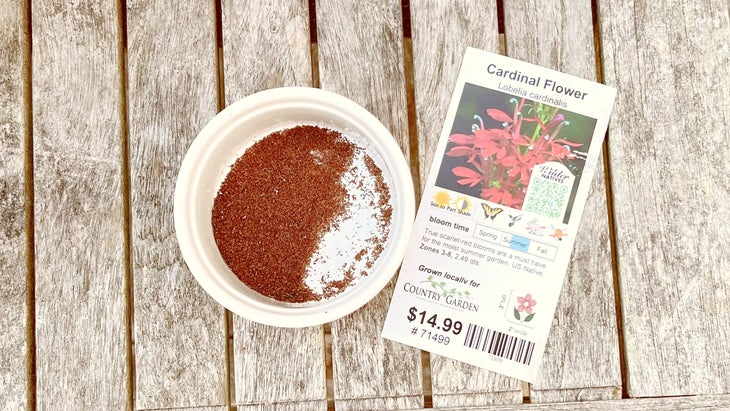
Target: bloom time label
{"x": 495, "y": 229}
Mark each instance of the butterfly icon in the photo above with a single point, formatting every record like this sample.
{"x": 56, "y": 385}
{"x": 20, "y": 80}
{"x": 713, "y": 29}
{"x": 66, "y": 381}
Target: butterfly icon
{"x": 513, "y": 219}
{"x": 491, "y": 212}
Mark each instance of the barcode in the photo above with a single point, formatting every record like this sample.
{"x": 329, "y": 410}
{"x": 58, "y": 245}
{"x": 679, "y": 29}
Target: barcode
{"x": 499, "y": 344}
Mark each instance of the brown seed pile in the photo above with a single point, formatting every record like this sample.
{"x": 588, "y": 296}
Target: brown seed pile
{"x": 278, "y": 200}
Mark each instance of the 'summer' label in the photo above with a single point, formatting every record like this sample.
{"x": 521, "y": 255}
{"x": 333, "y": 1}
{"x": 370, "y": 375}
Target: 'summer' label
{"x": 499, "y": 213}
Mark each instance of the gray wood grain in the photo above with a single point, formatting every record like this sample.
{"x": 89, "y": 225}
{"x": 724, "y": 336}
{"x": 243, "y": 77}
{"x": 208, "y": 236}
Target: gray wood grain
{"x": 670, "y": 180}
{"x": 285, "y": 406}
{"x": 458, "y": 384}
{"x": 13, "y": 267}
{"x": 266, "y": 46}
{"x": 699, "y": 403}
{"x": 180, "y": 332}
{"x": 279, "y": 369}
{"x": 79, "y": 223}
{"x": 361, "y": 57}
{"x": 437, "y": 53}
{"x": 581, "y": 359}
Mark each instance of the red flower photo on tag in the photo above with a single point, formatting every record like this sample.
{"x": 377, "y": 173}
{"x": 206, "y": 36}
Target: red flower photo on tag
{"x": 497, "y": 139}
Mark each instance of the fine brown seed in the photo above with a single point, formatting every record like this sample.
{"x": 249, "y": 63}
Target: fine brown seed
{"x": 276, "y": 203}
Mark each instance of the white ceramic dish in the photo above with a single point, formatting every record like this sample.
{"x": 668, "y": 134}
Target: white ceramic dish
{"x": 224, "y": 139}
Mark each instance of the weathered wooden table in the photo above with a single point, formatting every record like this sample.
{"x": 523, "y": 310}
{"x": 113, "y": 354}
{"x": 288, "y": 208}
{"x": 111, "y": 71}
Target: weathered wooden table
{"x": 99, "y": 101}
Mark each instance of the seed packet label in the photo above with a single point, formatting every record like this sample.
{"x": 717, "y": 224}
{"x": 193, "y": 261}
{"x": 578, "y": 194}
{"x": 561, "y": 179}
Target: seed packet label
{"x": 499, "y": 214}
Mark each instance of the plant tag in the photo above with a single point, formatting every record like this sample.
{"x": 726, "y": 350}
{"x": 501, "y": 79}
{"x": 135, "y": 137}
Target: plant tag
{"x": 500, "y": 209}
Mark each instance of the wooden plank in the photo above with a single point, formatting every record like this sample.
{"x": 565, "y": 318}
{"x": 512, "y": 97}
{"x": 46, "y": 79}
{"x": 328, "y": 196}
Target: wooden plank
{"x": 361, "y": 57}
{"x": 279, "y": 368}
{"x": 81, "y": 340}
{"x": 13, "y": 267}
{"x": 581, "y": 359}
{"x": 437, "y": 53}
{"x": 212, "y": 408}
{"x": 670, "y": 177}
{"x": 180, "y": 332}
{"x": 458, "y": 384}
{"x": 266, "y": 46}
{"x": 699, "y": 403}
{"x": 284, "y": 406}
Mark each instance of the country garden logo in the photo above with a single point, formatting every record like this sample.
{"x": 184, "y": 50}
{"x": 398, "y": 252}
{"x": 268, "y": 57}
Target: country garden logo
{"x": 444, "y": 201}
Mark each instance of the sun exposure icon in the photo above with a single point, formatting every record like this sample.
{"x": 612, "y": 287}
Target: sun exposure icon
{"x": 441, "y": 198}
{"x": 463, "y": 205}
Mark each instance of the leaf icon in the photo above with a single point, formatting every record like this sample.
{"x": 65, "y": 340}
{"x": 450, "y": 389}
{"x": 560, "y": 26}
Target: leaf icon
{"x": 430, "y": 277}
{"x": 529, "y": 317}
{"x": 517, "y": 314}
